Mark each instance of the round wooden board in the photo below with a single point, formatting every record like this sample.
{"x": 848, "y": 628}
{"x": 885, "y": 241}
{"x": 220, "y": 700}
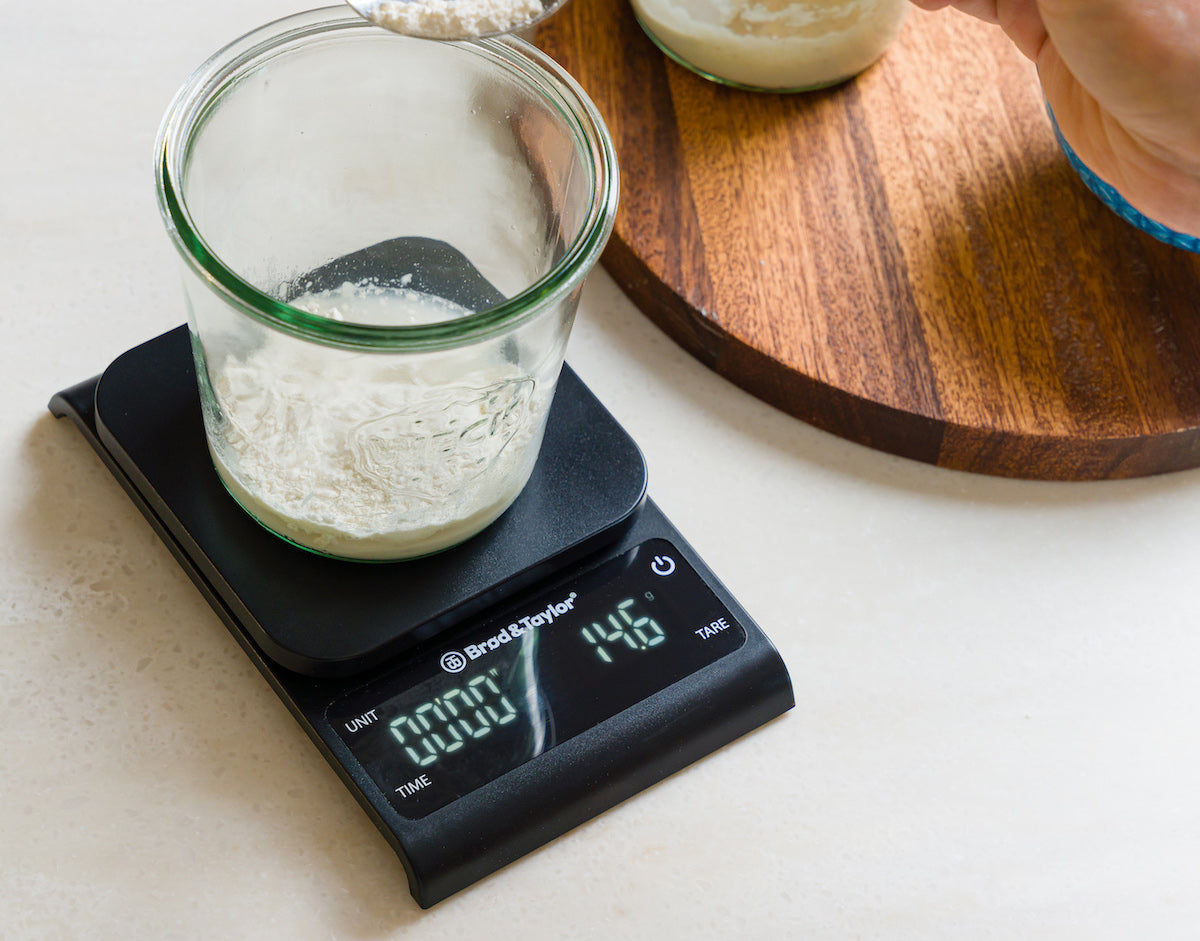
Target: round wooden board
{"x": 905, "y": 260}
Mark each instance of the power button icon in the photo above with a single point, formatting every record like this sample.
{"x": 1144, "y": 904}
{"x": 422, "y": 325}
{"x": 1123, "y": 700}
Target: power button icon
{"x": 662, "y": 565}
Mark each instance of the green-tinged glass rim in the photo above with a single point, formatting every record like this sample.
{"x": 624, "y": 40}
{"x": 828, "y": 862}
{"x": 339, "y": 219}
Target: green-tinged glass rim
{"x": 220, "y": 72}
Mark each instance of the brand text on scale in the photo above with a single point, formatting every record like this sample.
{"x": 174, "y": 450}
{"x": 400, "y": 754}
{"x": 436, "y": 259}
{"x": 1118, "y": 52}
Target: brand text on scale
{"x": 518, "y": 627}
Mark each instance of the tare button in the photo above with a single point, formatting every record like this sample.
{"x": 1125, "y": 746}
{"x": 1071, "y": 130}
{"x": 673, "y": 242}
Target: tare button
{"x": 712, "y": 629}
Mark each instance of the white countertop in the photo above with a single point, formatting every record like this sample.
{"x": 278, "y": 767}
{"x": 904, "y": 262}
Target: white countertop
{"x": 997, "y": 709}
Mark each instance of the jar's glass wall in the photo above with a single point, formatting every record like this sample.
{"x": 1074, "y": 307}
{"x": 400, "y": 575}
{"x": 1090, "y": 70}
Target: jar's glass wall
{"x": 330, "y": 147}
{"x": 349, "y": 178}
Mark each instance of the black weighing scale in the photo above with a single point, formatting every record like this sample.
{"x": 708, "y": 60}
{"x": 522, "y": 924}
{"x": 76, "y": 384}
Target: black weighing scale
{"x": 483, "y": 701}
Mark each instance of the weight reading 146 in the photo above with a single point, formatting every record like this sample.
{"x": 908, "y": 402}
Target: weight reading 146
{"x": 636, "y": 633}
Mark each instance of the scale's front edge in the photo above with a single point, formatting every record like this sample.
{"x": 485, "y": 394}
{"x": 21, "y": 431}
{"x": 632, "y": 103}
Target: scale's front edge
{"x": 625, "y": 755}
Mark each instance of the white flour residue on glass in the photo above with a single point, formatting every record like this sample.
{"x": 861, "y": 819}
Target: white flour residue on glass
{"x": 451, "y": 19}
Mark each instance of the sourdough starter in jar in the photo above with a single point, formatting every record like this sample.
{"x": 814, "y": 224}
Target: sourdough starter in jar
{"x": 774, "y": 45}
{"x": 368, "y": 456}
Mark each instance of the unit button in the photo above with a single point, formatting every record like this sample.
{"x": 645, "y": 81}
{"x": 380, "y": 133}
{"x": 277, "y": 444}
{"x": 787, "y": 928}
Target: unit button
{"x": 662, "y": 565}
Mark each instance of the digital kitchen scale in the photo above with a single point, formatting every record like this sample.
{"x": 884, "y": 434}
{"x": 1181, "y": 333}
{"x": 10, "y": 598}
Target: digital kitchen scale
{"x": 483, "y": 701}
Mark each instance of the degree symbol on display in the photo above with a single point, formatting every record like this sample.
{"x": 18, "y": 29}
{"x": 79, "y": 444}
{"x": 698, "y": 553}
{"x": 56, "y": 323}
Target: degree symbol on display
{"x": 662, "y": 565}
{"x": 453, "y": 661}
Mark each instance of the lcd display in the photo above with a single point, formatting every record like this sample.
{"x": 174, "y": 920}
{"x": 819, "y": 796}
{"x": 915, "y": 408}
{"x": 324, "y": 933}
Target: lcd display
{"x": 496, "y": 694}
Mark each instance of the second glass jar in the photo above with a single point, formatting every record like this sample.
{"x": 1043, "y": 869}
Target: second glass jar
{"x": 773, "y": 45}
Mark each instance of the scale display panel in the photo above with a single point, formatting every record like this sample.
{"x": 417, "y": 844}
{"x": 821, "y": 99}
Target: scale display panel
{"x": 510, "y": 689}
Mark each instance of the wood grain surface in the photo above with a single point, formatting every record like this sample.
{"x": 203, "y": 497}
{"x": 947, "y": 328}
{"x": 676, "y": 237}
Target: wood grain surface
{"x": 905, "y": 260}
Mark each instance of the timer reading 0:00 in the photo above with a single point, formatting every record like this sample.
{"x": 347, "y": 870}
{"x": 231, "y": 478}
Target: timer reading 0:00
{"x": 443, "y": 725}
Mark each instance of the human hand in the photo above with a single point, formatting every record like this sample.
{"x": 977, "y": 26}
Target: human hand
{"x": 1123, "y": 80}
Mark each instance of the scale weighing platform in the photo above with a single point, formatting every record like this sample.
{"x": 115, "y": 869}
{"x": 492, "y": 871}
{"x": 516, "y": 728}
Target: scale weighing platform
{"x": 483, "y": 701}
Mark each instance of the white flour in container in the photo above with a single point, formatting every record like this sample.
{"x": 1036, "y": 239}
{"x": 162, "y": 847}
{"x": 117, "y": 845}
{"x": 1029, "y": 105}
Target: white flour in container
{"x": 774, "y": 44}
{"x": 451, "y": 19}
{"x": 370, "y": 456}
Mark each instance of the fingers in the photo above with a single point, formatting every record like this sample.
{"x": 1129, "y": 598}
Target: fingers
{"x": 1140, "y": 61}
{"x": 1122, "y": 79}
{"x": 981, "y": 9}
{"x": 1020, "y": 19}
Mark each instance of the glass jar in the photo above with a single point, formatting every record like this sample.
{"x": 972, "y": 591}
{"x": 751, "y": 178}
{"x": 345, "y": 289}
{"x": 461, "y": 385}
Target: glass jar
{"x": 773, "y": 45}
{"x": 384, "y": 242}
